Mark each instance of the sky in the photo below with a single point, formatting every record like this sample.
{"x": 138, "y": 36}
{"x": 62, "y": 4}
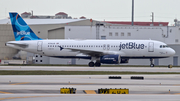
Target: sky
{"x": 108, "y": 10}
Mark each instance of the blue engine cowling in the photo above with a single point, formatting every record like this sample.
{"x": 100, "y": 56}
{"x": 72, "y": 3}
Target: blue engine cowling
{"x": 110, "y": 59}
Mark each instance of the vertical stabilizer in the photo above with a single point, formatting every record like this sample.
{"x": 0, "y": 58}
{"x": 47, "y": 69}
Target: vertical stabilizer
{"x": 21, "y": 30}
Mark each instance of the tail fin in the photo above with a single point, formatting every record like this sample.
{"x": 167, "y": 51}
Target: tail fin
{"x": 21, "y": 30}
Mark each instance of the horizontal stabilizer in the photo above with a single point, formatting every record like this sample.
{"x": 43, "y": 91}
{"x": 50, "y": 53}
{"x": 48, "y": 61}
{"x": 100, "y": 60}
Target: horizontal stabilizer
{"x": 22, "y": 45}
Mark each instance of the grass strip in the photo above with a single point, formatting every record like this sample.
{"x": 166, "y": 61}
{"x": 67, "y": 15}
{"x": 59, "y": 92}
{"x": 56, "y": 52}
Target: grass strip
{"x": 7, "y": 72}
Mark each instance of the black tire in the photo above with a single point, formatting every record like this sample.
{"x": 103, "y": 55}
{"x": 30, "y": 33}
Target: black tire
{"x": 151, "y": 65}
{"x": 97, "y": 64}
{"x": 91, "y": 64}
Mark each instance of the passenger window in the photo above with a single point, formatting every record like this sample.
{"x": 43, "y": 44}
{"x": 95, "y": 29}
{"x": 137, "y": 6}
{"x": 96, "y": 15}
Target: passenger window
{"x": 160, "y": 46}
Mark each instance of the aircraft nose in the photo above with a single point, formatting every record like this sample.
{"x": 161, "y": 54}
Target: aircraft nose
{"x": 172, "y": 52}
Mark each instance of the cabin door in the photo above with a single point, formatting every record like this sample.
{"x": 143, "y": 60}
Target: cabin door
{"x": 151, "y": 47}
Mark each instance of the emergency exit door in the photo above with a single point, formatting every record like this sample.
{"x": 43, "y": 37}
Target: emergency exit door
{"x": 151, "y": 47}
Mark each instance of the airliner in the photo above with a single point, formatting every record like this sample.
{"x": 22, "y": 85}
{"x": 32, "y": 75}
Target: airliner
{"x": 97, "y": 51}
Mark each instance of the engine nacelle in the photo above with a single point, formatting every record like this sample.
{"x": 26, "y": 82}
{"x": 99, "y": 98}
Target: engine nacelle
{"x": 110, "y": 59}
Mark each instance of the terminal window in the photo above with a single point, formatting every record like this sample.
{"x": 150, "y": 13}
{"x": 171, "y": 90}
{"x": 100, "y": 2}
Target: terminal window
{"x": 110, "y": 34}
{"x": 122, "y": 34}
{"x": 103, "y": 37}
{"x": 116, "y": 34}
{"x": 129, "y": 34}
{"x": 176, "y": 40}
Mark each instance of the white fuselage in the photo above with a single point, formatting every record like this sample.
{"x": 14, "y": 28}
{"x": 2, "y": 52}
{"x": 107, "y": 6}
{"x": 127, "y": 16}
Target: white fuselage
{"x": 74, "y": 48}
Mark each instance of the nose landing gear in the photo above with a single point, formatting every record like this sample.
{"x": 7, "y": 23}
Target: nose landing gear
{"x": 151, "y": 60}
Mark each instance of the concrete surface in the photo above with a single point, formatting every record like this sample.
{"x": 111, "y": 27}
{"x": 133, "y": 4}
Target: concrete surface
{"x": 76, "y": 68}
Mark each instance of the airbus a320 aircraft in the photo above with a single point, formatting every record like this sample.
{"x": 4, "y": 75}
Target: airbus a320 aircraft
{"x": 100, "y": 51}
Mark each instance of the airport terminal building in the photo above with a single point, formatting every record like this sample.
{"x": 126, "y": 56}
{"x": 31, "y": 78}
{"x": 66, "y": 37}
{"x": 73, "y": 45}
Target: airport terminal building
{"x": 62, "y": 26}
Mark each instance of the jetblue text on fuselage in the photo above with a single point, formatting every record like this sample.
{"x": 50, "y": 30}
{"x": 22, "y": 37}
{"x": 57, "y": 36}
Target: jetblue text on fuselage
{"x": 130, "y": 45}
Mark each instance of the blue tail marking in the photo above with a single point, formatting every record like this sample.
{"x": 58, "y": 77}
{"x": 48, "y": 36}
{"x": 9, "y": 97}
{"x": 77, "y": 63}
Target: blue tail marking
{"x": 21, "y": 30}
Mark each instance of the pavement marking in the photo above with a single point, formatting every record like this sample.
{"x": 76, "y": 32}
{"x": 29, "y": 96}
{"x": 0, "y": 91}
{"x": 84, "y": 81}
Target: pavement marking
{"x": 89, "y": 91}
{"x": 19, "y": 83}
{"x": 177, "y": 85}
{"x": 5, "y": 92}
{"x": 26, "y": 97}
{"x": 81, "y": 84}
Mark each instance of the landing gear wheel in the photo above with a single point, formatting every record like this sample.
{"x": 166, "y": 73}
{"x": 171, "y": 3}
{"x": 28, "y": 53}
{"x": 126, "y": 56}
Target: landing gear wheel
{"x": 91, "y": 64}
{"x": 97, "y": 64}
{"x": 151, "y": 65}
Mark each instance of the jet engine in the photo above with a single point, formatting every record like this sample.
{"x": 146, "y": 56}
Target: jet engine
{"x": 110, "y": 59}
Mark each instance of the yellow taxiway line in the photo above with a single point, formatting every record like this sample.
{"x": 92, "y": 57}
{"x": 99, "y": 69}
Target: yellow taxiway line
{"x": 177, "y": 85}
{"x": 19, "y": 83}
{"x": 5, "y": 92}
{"x": 89, "y": 91}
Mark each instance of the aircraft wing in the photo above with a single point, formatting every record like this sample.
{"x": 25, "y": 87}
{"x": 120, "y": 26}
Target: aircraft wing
{"x": 95, "y": 53}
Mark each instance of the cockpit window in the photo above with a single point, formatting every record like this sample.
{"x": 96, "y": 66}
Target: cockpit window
{"x": 163, "y": 46}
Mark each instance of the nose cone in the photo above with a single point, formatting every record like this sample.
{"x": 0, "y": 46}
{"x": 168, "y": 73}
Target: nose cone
{"x": 172, "y": 52}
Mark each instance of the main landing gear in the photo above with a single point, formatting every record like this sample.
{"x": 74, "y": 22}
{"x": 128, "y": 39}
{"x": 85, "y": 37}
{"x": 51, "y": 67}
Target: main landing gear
{"x": 151, "y": 65}
{"x": 92, "y": 64}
